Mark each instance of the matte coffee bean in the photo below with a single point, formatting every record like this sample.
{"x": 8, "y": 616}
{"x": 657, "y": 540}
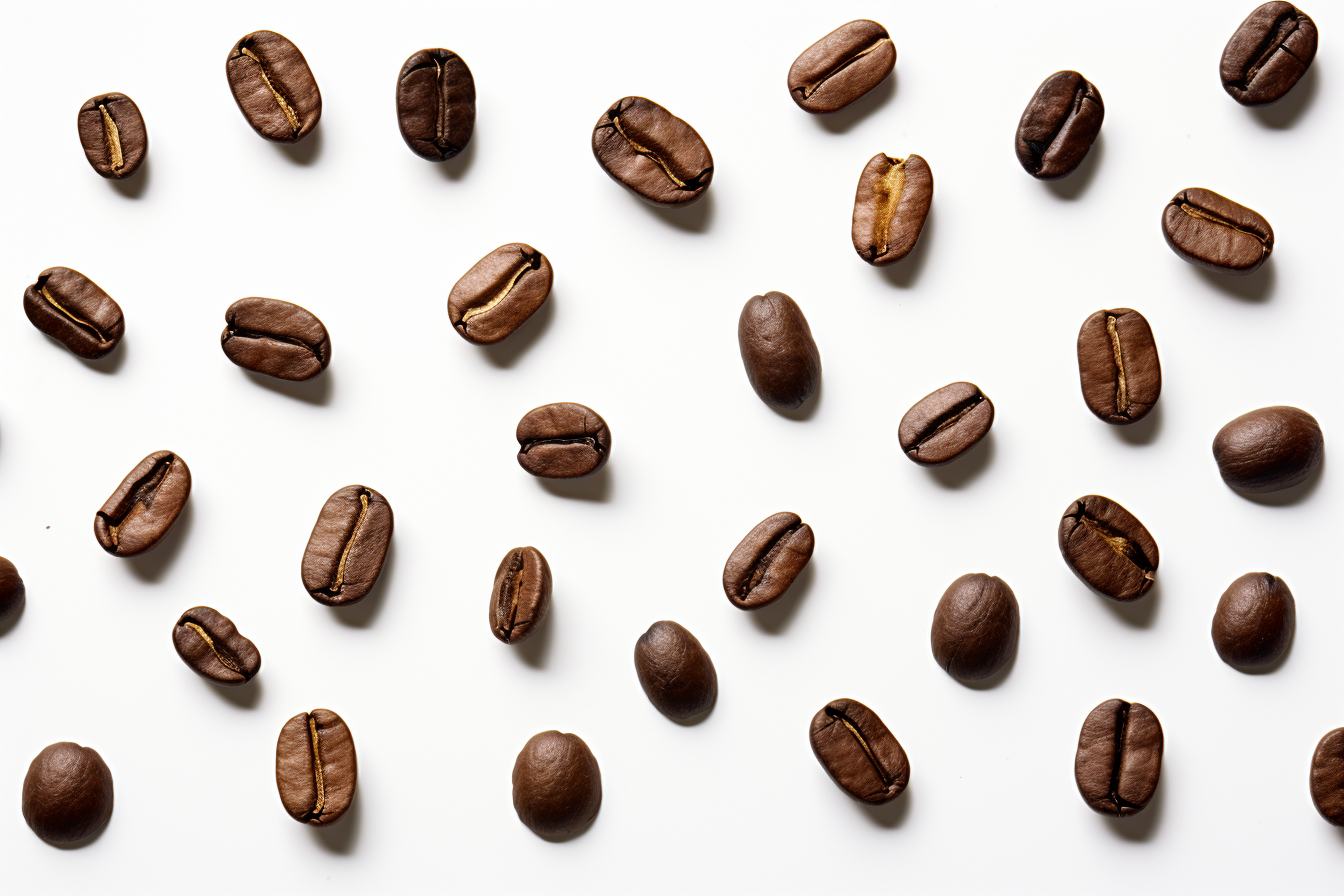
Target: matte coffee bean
{"x": 1254, "y": 622}
{"x": 276, "y": 338}
{"x": 1216, "y": 233}
{"x": 67, "y": 793}
{"x": 145, "y": 506}
{"x": 944, "y": 425}
{"x": 563, "y": 441}
{"x": 1268, "y": 54}
{"x": 74, "y": 311}
{"x": 1269, "y": 449}
{"x": 975, "y": 627}
{"x": 113, "y": 135}
{"x": 521, "y": 596}
{"x": 890, "y": 206}
{"x": 675, "y": 671}
{"x": 12, "y": 591}
{"x": 345, "y": 553}
{"x": 765, "y": 563}
{"x": 499, "y": 293}
{"x": 1119, "y": 758}
{"x": 860, "y": 754}
{"x": 213, "y": 648}
{"x": 557, "y": 786}
{"x": 652, "y": 153}
{"x": 781, "y": 358}
{"x": 315, "y": 767}
{"x": 1059, "y": 126}
{"x": 1108, "y": 548}
{"x": 436, "y": 104}
{"x": 273, "y": 86}
{"x": 1327, "y": 777}
{"x": 842, "y": 66}
{"x": 1118, "y": 366}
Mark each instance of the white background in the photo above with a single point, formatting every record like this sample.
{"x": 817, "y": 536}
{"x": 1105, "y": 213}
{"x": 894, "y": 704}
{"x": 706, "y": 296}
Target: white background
{"x": 641, "y": 326}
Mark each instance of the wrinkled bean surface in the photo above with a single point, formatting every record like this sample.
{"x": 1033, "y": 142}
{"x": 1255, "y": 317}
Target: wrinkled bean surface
{"x": 842, "y": 66}
{"x": 274, "y": 87}
{"x": 1327, "y": 777}
{"x": 858, "y": 751}
{"x": 975, "y": 627}
{"x": 1269, "y": 449}
{"x": 73, "y": 310}
{"x": 1059, "y": 126}
{"x": 1268, "y": 54}
{"x": 652, "y": 153}
{"x": 781, "y": 359}
{"x": 563, "y": 441}
{"x": 1216, "y": 233}
{"x": 436, "y": 104}
{"x": 113, "y": 135}
{"x": 765, "y": 563}
{"x": 1118, "y": 365}
{"x": 675, "y": 671}
{"x": 557, "y": 786}
{"x": 144, "y": 507}
{"x": 890, "y": 206}
{"x": 67, "y": 793}
{"x": 1108, "y": 548}
{"x": 348, "y": 545}
{"x": 944, "y": 425}
{"x": 521, "y": 596}
{"x": 1254, "y": 621}
{"x": 1119, "y": 759}
{"x": 499, "y": 293}
{"x": 212, "y": 647}
{"x": 276, "y": 338}
{"x": 315, "y": 767}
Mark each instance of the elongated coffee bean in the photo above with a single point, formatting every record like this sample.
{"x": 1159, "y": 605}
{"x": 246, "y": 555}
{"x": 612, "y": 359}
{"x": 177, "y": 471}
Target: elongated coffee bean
{"x": 858, "y": 751}
{"x": 1268, "y": 54}
{"x": 113, "y": 135}
{"x": 315, "y": 767}
{"x": 1216, "y": 233}
{"x": 652, "y": 153}
{"x": 73, "y": 310}
{"x": 778, "y": 352}
{"x": 1119, "y": 758}
{"x": 975, "y": 627}
{"x": 1108, "y": 548}
{"x": 212, "y": 647}
{"x": 436, "y": 104}
{"x": 273, "y": 86}
{"x": 1059, "y": 126}
{"x": 944, "y": 425}
{"x": 345, "y": 553}
{"x": 67, "y": 793}
{"x": 563, "y": 441}
{"x": 765, "y": 563}
{"x": 1327, "y": 777}
{"x": 841, "y": 67}
{"x": 675, "y": 671}
{"x": 1118, "y": 365}
{"x": 12, "y": 591}
{"x": 890, "y": 206}
{"x": 145, "y": 505}
{"x": 276, "y": 338}
{"x": 1254, "y": 621}
{"x": 499, "y": 293}
{"x": 1269, "y": 449}
{"x": 521, "y": 596}
{"x": 557, "y": 786}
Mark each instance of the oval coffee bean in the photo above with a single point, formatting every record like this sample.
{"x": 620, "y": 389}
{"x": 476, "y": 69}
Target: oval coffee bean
{"x": 276, "y": 338}
{"x": 1268, "y": 54}
{"x": 113, "y": 135}
{"x": 1059, "y": 126}
{"x": 781, "y": 358}
{"x": 12, "y": 590}
{"x": 1327, "y": 777}
{"x": 842, "y": 66}
{"x": 499, "y": 293}
{"x": 557, "y": 786}
{"x": 345, "y": 553}
{"x": 860, "y": 754}
{"x": 273, "y": 86}
{"x": 1254, "y": 621}
{"x": 975, "y": 627}
{"x": 765, "y": 563}
{"x": 1119, "y": 758}
{"x": 521, "y": 596}
{"x": 944, "y": 425}
{"x": 1216, "y": 233}
{"x": 890, "y": 206}
{"x": 74, "y": 311}
{"x": 675, "y": 671}
{"x": 652, "y": 153}
{"x": 315, "y": 767}
{"x": 436, "y": 104}
{"x": 1108, "y": 548}
{"x": 67, "y": 793}
{"x": 563, "y": 441}
{"x": 1269, "y": 449}
{"x": 1118, "y": 366}
{"x": 212, "y": 647}
{"x": 145, "y": 505}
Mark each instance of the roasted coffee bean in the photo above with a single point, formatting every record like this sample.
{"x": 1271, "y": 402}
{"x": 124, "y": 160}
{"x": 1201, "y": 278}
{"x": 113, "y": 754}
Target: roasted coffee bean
{"x": 521, "y": 596}
{"x": 436, "y": 104}
{"x": 842, "y": 66}
{"x": 944, "y": 425}
{"x": 67, "y": 793}
{"x": 1216, "y": 233}
{"x": 652, "y": 153}
{"x": 12, "y": 591}
{"x": 315, "y": 767}
{"x": 890, "y": 206}
{"x": 73, "y": 310}
{"x": 1059, "y": 126}
{"x": 675, "y": 671}
{"x": 860, "y": 754}
{"x": 1108, "y": 548}
{"x": 557, "y": 786}
{"x": 345, "y": 553}
{"x": 1269, "y": 449}
{"x": 275, "y": 338}
{"x": 563, "y": 441}
{"x": 1327, "y": 777}
{"x": 765, "y": 563}
{"x": 781, "y": 358}
{"x": 113, "y": 135}
{"x": 1254, "y": 621}
{"x": 1118, "y": 365}
{"x": 212, "y": 647}
{"x": 1119, "y": 758}
{"x": 273, "y": 86}
{"x": 145, "y": 505}
{"x": 499, "y": 293}
{"x": 1267, "y": 55}
{"x": 975, "y": 627}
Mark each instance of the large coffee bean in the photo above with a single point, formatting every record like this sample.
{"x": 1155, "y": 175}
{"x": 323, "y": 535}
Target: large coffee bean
{"x": 345, "y": 553}
{"x": 563, "y": 441}
{"x": 890, "y": 206}
{"x": 73, "y": 310}
{"x": 1254, "y": 621}
{"x": 842, "y": 66}
{"x": 436, "y": 104}
{"x": 521, "y": 596}
{"x": 975, "y": 627}
{"x": 860, "y": 754}
{"x": 275, "y": 338}
{"x": 67, "y": 793}
{"x": 1119, "y": 758}
{"x": 1269, "y": 449}
{"x": 273, "y": 86}
{"x": 499, "y": 293}
{"x": 652, "y": 153}
{"x": 12, "y": 590}
{"x": 765, "y": 563}
{"x": 1059, "y": 126}
{"x": 113, "y": 135}
{"x": 212, "y": 647}
{"x": 1108, "y": 548}
{"x": 1327, "y": 777}
{"x": 1118, "y": 365}
{"x": 145, "y": 505}
{"x": 315, "y": 767}
{"x": 944, "y": 425}
{"x": 781, "y": 358}
{"x": 557, "y": 786}
{"x": 675, "y": 671}
{"x": 1268, "y": 54}
{"x": 1216, "y": 233}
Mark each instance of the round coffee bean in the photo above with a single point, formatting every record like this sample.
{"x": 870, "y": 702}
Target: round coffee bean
{"x": 975, "y": 627}
{"x": 214, "y": 649}
{"x": 145, "y": 506}
{"x": 113, "y": 135}
{"x": 276, "y": 338}
{"x": 12, "y": 591}
{"x": 858, "y": 751}
{"x": 563, "y": 441}
{"x": 1216, "y": 233}
{"x": 557, "y": 786}
{"x": 436, "y": 104}
{"x": 1268, "y": 54}
{"x": 841, "y": 67}
{"x": 499, "y": 293}
{"x": 521, "y": 596}
{"x": 944, "y": 425}
{"x": 1327, "y": 777}
{"x": 315, "y": 767}
{"x": 890, "y": 207}
{"x": 1119, "y": 758}
{"x": 74, "y": 311}
{"x": 765, "y": 563}
{"x": 1254, "y": 621}
{"x": 348, "y": 545}
{"x": 781, "y": 358}
{"x": 67, "y": 793}
{"x": 1108, "y": 548}
{"x": 1118, "y": 366}
{"x": 1269, "y": 449}
{"x": 274, "y": 87}
{"x": 1059, "y": 126}
{"x": 675, "y": 671}
{"x": 652, "y": 153}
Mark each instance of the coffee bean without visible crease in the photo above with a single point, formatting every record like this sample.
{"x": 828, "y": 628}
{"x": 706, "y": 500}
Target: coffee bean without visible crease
{"x": 67, "y": 793}
{"x": 675, "y": 671}
{"x": 1254, "y": 621}
{"x": 975, "y": 627}
{"x": 1216, "y": 233}
{"x": 890, "y": 206}
{"x": 1327, "y": 777}
{"x": 521, "y": 596}
{"x": 276, "y": 338}
{"x": 273, "y": 86}
{"x": 499, "y": 293}
{"x": 145, "y": 505}
{"x": 1119, "y": 758}
{"x": 652, "y": 153}
{"x": 345, "y": 553}
{"x": 1118, "y": 366}
{"x": 1108, "y": 548}
{"x": 12, "y": 591}
{"x": 557, "y": 786}
{"x": 944, "y": 425}
{"x": 778, "y": 352}
{"x": 842, "y": 66}
{"x": 113, "y": 135}
{"x": 563, "y": 441}
{"x": 1059, "y": 126}
{"x": 765, "y": 563}
{"x": 315, "y": 767}
{"x": 213, "y": 648}
{"x": 436, "y": 104}
{"x": 73, "y": 310}
{"x": 1269, "y": 449}
{"x": 858, "y": 751}
{"x": 1268, "y": 54}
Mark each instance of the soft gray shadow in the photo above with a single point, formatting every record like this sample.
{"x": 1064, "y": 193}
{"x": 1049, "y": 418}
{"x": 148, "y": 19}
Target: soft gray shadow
{"x": 1144, "y": 431}
{"x": 131, "y": 187}
{"x": 993, "y": 681}
{"x": 456, "y": 168}
{"x": 153, "y": 564}
{"x": 1138, "y": 613}
{"x": 693, "y": 218}
{"x": 7, "y": 624}
{"x": 840, "y": 121}
{"x": 243, "y": 697}
{"x": 509, "y": 349}
{"x": 893, "y": 814}
{"x": 314, "y": 391}
{"x": 535, "y": 649}
{"x": 1257, "y": 287}
{"x": 596, "y": 487}
{"x": 1141, "y": 828}
{"x": 362, "y": 614}
{"x": 776, "y": 617}
{"x": 805, "y": 410}
{"x": 1071, "y": 186}
{"x": 1286, "y": 112}
{"x": 306, "y": 151}
{"x": 965, "y": 469}
{"x": 92, "y": 838}
{"x": 565, "y": 838}
{"x": 342, "y": 836}
{"x": 1289, "y": 496}
{"x": 904, "y": 272}
{"x": 109, "y": 363}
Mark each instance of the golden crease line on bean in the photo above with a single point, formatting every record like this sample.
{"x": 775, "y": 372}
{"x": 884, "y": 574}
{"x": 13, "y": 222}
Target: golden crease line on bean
{"x": 811, "y": 89}
{"x": 317, "y": 768}
{"x": 645, "y": 151}
{"x": 1197, "y": 212}
{"x": 1121, "y": 391}
{"x": 882, "y": 773}
{"x": 51, "y": 300}
{"x": 205, "y": 636}
{"x": 284, "y": 106}
{"x": 345, "y": 554}
{"x": 501, "y": 295}
{"x": 113, "y": 137}
{"x": 891, "y": 187}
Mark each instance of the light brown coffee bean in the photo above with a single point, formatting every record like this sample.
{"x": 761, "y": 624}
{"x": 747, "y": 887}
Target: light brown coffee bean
{"x": 145, "y": 506}
{"x": 890, "y": 206}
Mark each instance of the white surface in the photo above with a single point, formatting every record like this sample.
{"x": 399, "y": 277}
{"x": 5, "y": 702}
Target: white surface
{"x": 642, "y": 327}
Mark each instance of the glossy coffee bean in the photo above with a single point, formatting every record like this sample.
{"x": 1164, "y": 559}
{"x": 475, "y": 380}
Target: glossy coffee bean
{"x": 842, "y": 66}
{"x": 975, "y": 627}
{"x": 521, "y": 596}
{"x": 436, "y": 104}
{"x": 1108, "y": 548}
{"x": 1119, "y": 758}
{"x": 890, "y": 206}
{"x": 145, "y": 506}
{"x": 1254, "y": 622}
{"x": 315, "y": 767}
{"x": 273, "y": 86}
{"x": 765, "y": 563}
{"x": 1216, "y": 233}
{"x": 1059, "y": 126}
{"x": 860, "y": 754}
{"x": 675, "y": 671}
{"x": 1118, "y": 365}
{"x": 74, "y": 311}
{"x": 1327, "y": 777}
{"x": 1268, "y": 54}
{"x": 1269, "y": 449}
{"x": 276, "y": 338}
{"x": 346, "y": 550}
{"x": 944, "y": 425}
{"x": 563, "y": 441}
{"x": 778, "y": 352}
{"x": 67, "y": 793}
{"x": 499, "y": 293}
{"x": 113, "y": 135}
{"x": 557, "y": 786}
{"x": 212, "y": 647}
{"x": 652, "y": 153}
{"x": 12, "y": 591}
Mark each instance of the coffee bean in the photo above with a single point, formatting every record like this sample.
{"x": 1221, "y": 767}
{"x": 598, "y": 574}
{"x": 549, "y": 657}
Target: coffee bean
{"x": 212, "y": 647}
{"x": 1118, "y": 366}
{"x": 890, "y": 206}
{"x": 12, "y": 591}
{"x": 1254, "y": 621}
{"x": 521, "y": 596}
{"x": 675, "y": 671}
{"x": 315, "y": 767}
{"x": 74, "y": 311}
{"x": 436, "y": 104}
{"x": 1269, "y": 449}
{"x": 1059, "y": 126}
{"x": 765, "y": 563}
{"x": 273, "y": 86}
{"x": 67, "y": 793}
{"x": 1327, "y": 777}
{"x": 557, "y": 786}
{"x": 841, "y": 67}
{"x": 276, "y": 338}
{"x": 1108, "y": 548}
{"x": 652, "y": 153}
{"x": 499, "y": 293}
{"x": 113, "y": 135}
{"x": 345, "y": 553}
{"x": 563, "y": 441}
{"x": 944, "y": 425}
{"x": 1267, "y": 55}
{"x": 781, "y": 358}
{"x": 145, "y": 506}
{"x": 1216, "y": 233}
{"x": 860, "y": 754}
{"x": 975, "y": 627}
{"x": 1119, "y": 758}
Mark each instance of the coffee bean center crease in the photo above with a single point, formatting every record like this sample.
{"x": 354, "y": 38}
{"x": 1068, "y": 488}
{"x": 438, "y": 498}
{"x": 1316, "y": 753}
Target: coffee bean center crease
{"x": 142, "y": 495}
{"x": 1119, "y": 543}
{"x": 526, "y": 264}
{"x": 279, "y": 98}
{"x": 113, "y": 138}
{"x": 688, "y": 185}
{"x": 840, "y": 66}
{"x": 1197, "y": 212}
{"x": 339, "y": 581}
{"x": 79, "y": 321}
{"x": 205, "y": 636}
{"x": 867, "y": 750}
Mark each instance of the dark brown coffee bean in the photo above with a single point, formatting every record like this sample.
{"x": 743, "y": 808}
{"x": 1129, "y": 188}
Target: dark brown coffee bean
{"x": 944, "y": 425}
{"x": 276, "y": 338}
{"x": 145, "y": 505}
{"x": 675, "y": 671}
{"x": 842, "y": 66}
{"x": 890, "y": 206}
{"x": 499, "y": 293}
{"x": 1059, "y": 126}
{"x": 73, "y": 310}
{"x": 315, "y": 767}
{"x": 1108, "y": 548}
{"x": 67, "y": 793}
{"x": 273, "y": 86}
{"x": 765, "y": 563}
{"x": 781, "y": 358}
{"x": 345, "y": 553}
{"x": 1268, "y": 54}
{"x": 113, "y": 135}
{"x": 563, "y": 441}
{"x": 557, "y": 786}
{"x": 436, "y": 104}
{"x": 521, "y": 596}
{"x": 12, "y": 591}
{"x": 1119, "y": 758}
{"x": 212, "y": 647}
{"x": 860, "y": 754}
{"x": 652, "y": 153}
{"x": 1269, "y": 449}
{"x": 1327, "y": 777}
{"x": 975, "y": 627}
{"x": 1254, "y": 621}
{"x": 1216, "y": 233}
{"x": 1117, "y": 363}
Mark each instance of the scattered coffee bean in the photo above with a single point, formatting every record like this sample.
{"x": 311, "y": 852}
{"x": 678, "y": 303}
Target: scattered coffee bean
{"x": 1216, "y": 233}
{"x": 113, "y": 135}
{"x": 765, "y": 563}
{"x": 842, "y": 66}
{"x": 860, "y": 754}
{"x": 276, "y": 338}
{"x": 975, "y": 627}
{"x": 436, "y": 104}
{"x": 1269, "y": 449}
{"x": 1117, "y": 363}
{"x": 563, "y": 441}
{"x": 557, "y": 786}
{"x": 781, "y": 358}
{"x": 74, "y": 311}
{"x": 1254, "y": 621}
{"x": 652, "y": 153}
{"x": 273, "y": 86}
{"x": 944, "y": 425}
{"x": 67, "y": 793}
{"x": 1119, "y": 758}
{"x": 315, "y": 767}
{"x": 1059, "y": 126}
{"x": 1108, "y": 548}
{"x": 212, "y": 647}
{"x": 145, "y": 505}
{"x": 675, "y": 671}
{"x": 12, "y": 591}
{"x": 890, "y": 206}
{"x": 1327, "y": 777}
{"x": 521, "y": 596}
{"x": 345, "y": 553}
{"x": 1267, "y": 55}
{"x": 499, "y": 293}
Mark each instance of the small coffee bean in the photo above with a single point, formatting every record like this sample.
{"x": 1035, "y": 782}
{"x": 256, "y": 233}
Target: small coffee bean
{"x": 1059, "y": 126}
{"x": 74, "y": 311}
{"x": 1269, "y": 449}
{"x": 781, "y": 358}
{"x": 273, "y": 86}
{"x": 557, "y": 786}
{"x": 1216, "y": 233}
{"x": 12, "y": 591}
{"x": 652, "y": 153}
{"x": 563, "y": 441}
{"x": 1254, "y": 621}
{"x": 675, "y": 671}
{"x": 842, "y": 66}
{"x": 1108, "y": 548}
{"x": 345, "y": 553}
{"x": 860, "y": 754}
{"x": 67, "y": 793}
{"x": 276, "y": 338}
{"x": 1118, "y": 366}
{"x": 212, "y": 647}
{"x": 944, "y": 425}
{"x": 113, "y": 135}
{"x": 890, "y": 206}
{"x": 145, "y": 506}
{"x": 499, "y": 293}
{"x": 975, "y": 627}
{"x": 1268, "y": 54}
{"x": 315, "y": 767}
{"x": 521, "y": 596}
{"x": 765, "y": 563}
{"x": 436, "y": 104}
{"x": 1327, "y": 777}
{"x": 1119, "y": 758}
